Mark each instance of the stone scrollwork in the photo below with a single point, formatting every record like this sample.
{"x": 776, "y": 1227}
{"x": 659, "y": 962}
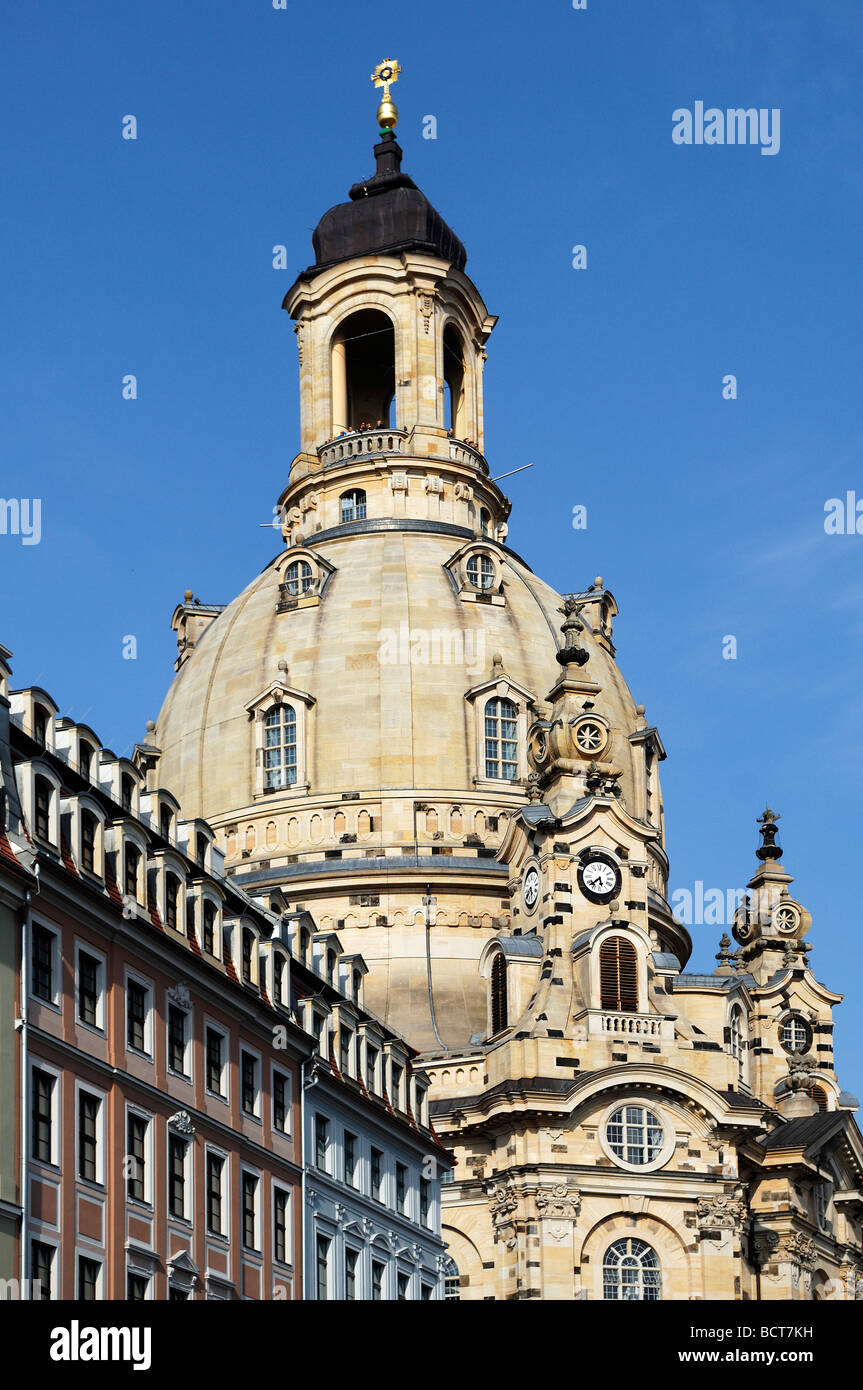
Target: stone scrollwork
{"x": 720, "y": 1213}
{"x": 797, "y": 1249}
{"x": 559, "y": 1201}
{"x": 502, "y": 1202}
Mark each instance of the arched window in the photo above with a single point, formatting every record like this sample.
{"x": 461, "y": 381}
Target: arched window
{"x": 453, "y": 375}
{"x": 248, "y": 952}
{"x": 127, "y": 788}
{"x": 86, "y": 753}
{"x": 480, "y": 572}
{"x": 630, "y": 1272}
{"x": 452, "y": 1280}
{"x": 618, "y": 975}
{"x": 501, "y": 759}
{"x": 735, "y": 1038}
{"x": 352, "y": 505}
{"x": 357, "y": 986}
{"x": 796, "y": 1034}
{"x": 43, "y": 791}
{"x": 364, "y": 371}
{"x": 484, "y": 522}
{"x": 280, "y": 747}
{"x": 299, "y": 578}
{"x": 499, "y": 1002}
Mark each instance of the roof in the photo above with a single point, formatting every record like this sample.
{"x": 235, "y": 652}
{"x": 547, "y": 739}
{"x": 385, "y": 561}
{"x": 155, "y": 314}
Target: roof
{"x": 520, "y": 945}
{"x": 387, "y": 214}
{"x": 804, "y": 1131}
{"x": 718, "y": 982}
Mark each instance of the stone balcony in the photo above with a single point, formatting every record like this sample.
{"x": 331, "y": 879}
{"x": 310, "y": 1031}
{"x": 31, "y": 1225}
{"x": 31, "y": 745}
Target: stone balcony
{"x": 362, "y": 444}
{"x": 630, "y": 1026}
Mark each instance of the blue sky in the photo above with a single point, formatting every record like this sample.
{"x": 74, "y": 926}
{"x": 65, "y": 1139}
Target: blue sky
{"x": 705, "y": 516}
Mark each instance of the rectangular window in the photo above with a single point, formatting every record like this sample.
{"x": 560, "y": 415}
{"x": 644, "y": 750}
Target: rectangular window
{"x": 131, "y": 859}
{"x": 345, "y": 1041}
{"x": 209, "y": 929}
{"x": 42, "y": 1268}
{"x": 352, "y": 1259}
{"x": 396, "y": 1097}
{"x": 426, "y": 1293}
{"x": 322, "y": 1250}
{"x": 420, "y": 1104}
{"x": 350, "y": 1159}
{"x": 178, "y": 1029}
{"x": 177, "y": 1153}
{"x": 322, "y": 1141}
{"x": 136, "y": 1287}
{"x": 377, "y": 1168}
{"x": 43, "y": 1115}
{"x": 136, "y": 1157}
{"x": 172, "y": 898}
{"x": 279, "y": 979}
{"x": 88, "y": 1136}
{"x": 42, "y": 974}
{"x": 403, "y": 1285}
{"x": 248, "y": 948}
{"x": 249, "y": 1067}
{"x": 377, "y": 1281}
{"x": 43, "y": 809}
{"x": 250, "y": 1211}
{"x": 89, "y": 989}
{"x": 89, "y": 824}
{"x": 281, "y": 1102}
{"x": 215, "y": 1061}
{"x": 88, "y": 1279}
{"x": 280, "y": 1225}
{"x": 371, "y": 1069}
{"x": 401, "y": 1187}
{"x": 137, "y": 1010}
{"x": 215, "y": 1169}
{"x": 424, "y": 1201}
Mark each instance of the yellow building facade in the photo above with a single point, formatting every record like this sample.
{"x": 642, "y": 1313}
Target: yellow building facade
{"x": 400, "y": 729}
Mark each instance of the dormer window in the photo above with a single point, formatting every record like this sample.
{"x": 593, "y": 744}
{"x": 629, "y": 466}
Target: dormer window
{"x": 396, "y": 1078}
{"x": 346, "y": 1039}
{"x": 501, "y": 748}
{"x": 331, "y": 966}
{"x": 165, "y": 822}
{"x": 279, "y": 978}
{"x": 480, "y": 572}
{"x": 499, "y": 1004}
{"x": 43, "y": 792}
{"x": 172, "y": 895}
{"x": 201, "y": 843}
{"x": 352, "y": 505}
{"x": 89, "y": 830}
{"x": 371, "y": 1068}
{"x": 280, "y": 747}
{"x": 86, "y": 753}
{"x": 248, "y": 952}
{"x": 40, "y": 725}
{"x": 127, "y": 787}
{"x": 356, "y": 986}
{"x": 209, "y": 928}
{"x": 131, "y": 861}
{"x": 299, "y": 578}
{"x": 305, "y": 939}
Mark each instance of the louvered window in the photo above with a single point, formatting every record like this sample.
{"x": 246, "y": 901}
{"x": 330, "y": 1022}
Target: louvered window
{"x": 819, "y": 1095}
{"x": 499, "y": 1018}
{"x": 618, "y": 975}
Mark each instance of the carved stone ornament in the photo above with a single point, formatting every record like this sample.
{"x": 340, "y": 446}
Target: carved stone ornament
{"x": 800, "y": 1074}
{"x": 182, "y": 1123}
{"x": 797, "y": 1249}
{"x": 434, "y": 484}
{"x": 764, "y": 1246}
{"x": 502, "y": 1202}
{"x": 426, "y": 307}
{"x": 720, "y": 1213}
{"x": 180, "y": 995}
{"x": 558, "y": 1201}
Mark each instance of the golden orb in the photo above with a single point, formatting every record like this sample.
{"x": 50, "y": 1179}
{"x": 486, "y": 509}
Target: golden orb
{"x": 388, "y": 114}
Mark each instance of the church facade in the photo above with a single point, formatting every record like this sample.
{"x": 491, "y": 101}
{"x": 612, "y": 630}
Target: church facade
{"x": 419, "y": 746}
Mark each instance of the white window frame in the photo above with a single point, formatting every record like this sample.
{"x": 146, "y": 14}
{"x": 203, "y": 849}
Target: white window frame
{"x": 275, "y": 1187}
{"x": 188, "y": 1176}
{"x": 225, "y": 1233}
{"x": 36, "y": 1237}
{"x": 189, "y": 1051}
{"x": 258, "y": 1247}
{"x": 36, "y": 1064}
{"x": 223, "y": 1095}
{"x": 669, "y": 1135}
{"x": 56, "y": 1000}
{"x": 256, "y": 1113}
{"x": 95, "y": 1259}
{"x": 328, "y": 1164}
{"x": 99, "y": 1026}
{"x": 275, "y": 1071}
{"x": 91, "y": 1090}
{"x": 147, "y": 1199}
{"x": 138, "y": 979}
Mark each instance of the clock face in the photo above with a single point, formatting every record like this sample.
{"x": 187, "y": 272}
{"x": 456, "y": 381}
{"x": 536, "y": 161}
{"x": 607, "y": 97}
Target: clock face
{"x": 599, "y": 879}
{"x": 530, "y": 889}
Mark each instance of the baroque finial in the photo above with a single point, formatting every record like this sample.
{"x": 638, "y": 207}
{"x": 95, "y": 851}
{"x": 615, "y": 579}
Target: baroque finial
{"x": 571, "y": 653}
{"x": 768, "y": 849}
{"x": 384, "y": 74}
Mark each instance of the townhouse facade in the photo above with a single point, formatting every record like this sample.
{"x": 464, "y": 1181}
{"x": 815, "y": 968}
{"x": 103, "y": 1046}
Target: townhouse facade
{"x": 159, "y": 1029}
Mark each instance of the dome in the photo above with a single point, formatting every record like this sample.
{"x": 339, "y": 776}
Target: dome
{"x": 387, "y": 214}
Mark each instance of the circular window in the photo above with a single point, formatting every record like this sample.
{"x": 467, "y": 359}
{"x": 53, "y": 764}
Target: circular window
{"x": 480, "y": 572}
{"x": 590, "y": 736}
{"x": 636, "y": 1137}
{"x": 795, "y": 1034}
{"x": 630, "y": 1271}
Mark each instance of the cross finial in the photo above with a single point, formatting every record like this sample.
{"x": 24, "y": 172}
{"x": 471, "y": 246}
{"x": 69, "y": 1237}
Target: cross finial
{"x": 384, "y": 74}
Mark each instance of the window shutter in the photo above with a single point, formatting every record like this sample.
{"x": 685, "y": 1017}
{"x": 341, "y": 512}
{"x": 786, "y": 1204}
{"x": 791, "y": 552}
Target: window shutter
{"x": 499, "y": 1011}
{"x": 618, "y": 975}
{"x": 819, "y": 1095}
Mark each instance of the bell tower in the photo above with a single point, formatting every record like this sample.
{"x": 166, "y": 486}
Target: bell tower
{"x": 391, "y": 335}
